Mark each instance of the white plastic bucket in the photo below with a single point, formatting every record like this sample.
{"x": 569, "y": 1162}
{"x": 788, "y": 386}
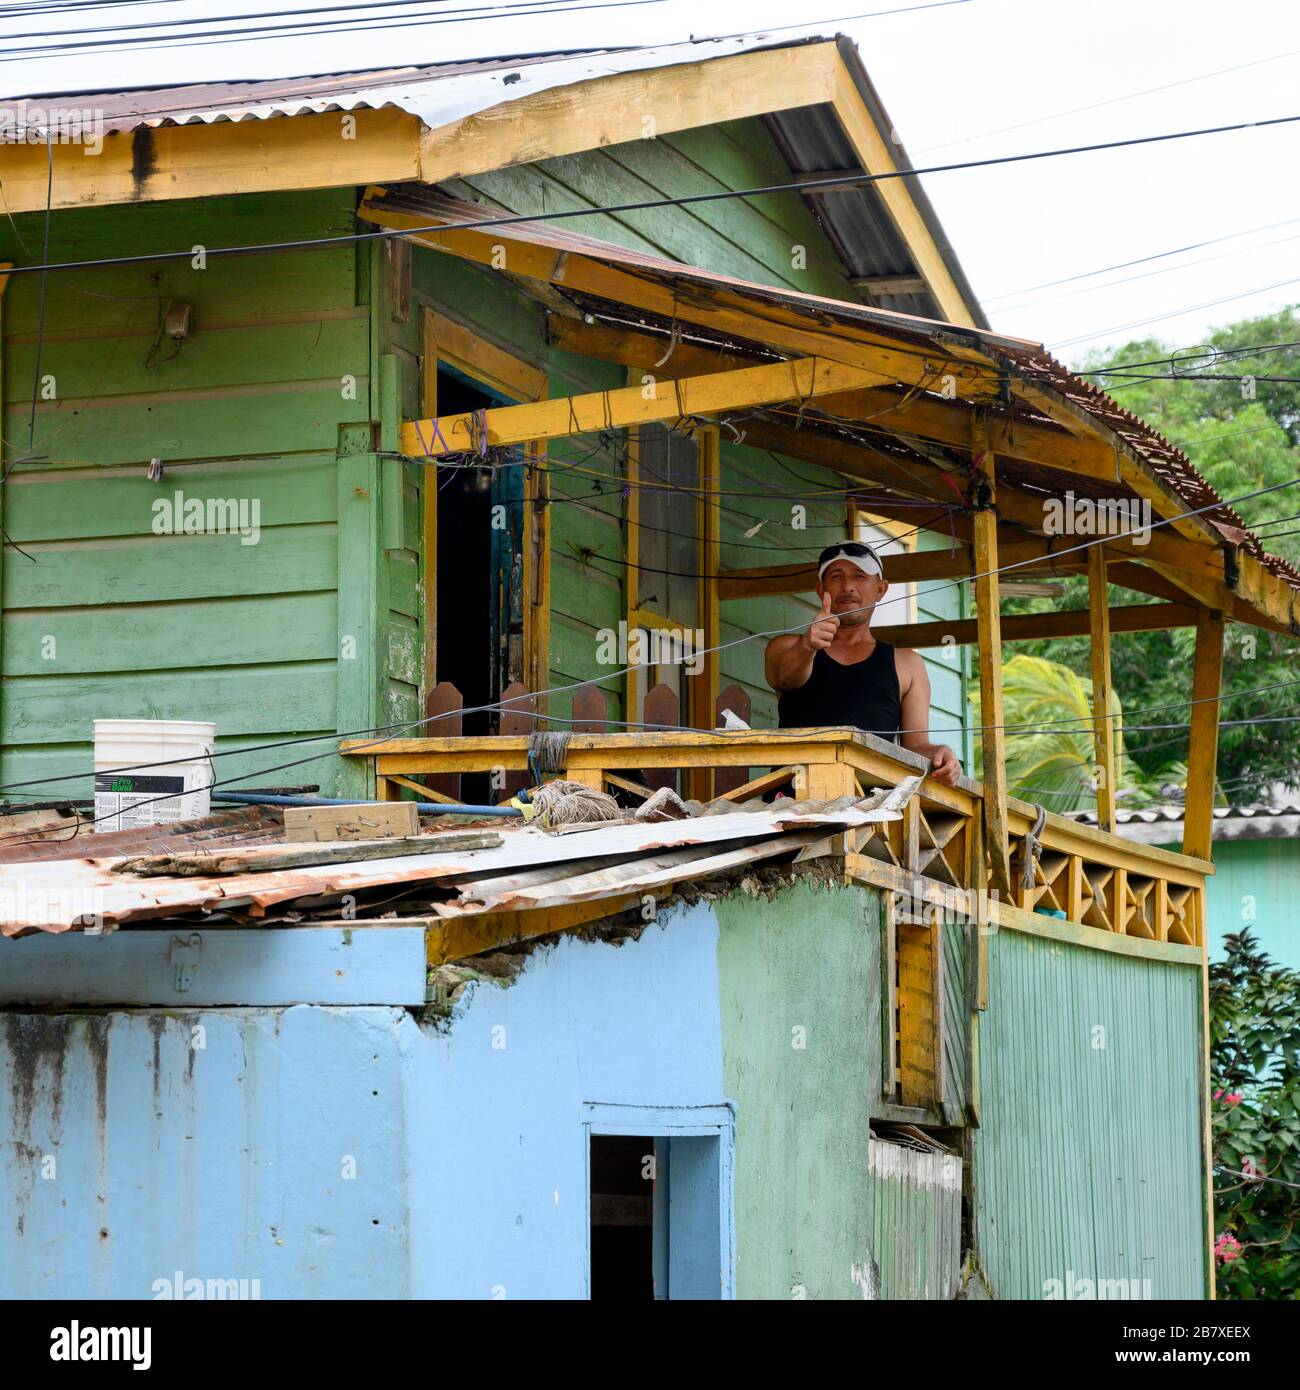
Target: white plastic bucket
{"x": 148, "y": 771}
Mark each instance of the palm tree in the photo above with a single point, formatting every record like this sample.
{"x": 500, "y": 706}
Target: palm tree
{"x": 1049, "y": 740}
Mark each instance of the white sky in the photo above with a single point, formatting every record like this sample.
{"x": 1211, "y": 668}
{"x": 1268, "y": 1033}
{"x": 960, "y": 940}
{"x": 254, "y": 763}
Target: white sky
{"x": 945, "y": 74}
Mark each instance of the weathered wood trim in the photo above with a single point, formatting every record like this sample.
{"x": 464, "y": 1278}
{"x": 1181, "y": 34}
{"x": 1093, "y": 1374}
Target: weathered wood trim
{"x": 874, "y": 155}
{"x": 797, "y": 380}
{"x": 217, "y": 159}
{"x": 989, "y": 630}
{"x": 1104, "y": 733}
{"x": 627, "y": 106}
{"x": 1203, "y": 736}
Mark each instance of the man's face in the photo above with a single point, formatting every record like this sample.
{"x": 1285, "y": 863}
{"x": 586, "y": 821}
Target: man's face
{"x": 853, "y": 594}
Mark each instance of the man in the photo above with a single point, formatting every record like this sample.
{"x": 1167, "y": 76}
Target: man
{"x": 838, "y": 673}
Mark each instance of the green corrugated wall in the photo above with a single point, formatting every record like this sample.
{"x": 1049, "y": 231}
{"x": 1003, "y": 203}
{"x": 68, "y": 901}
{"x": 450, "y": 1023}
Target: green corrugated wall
{"x": 1088, "y": 1161}
{"x": 915, "y": 1221}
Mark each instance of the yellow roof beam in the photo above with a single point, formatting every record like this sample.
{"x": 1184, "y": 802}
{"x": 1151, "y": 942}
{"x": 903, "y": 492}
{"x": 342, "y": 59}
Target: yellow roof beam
{"x": 210, "y": 161}
{"x": 625, "y": 106}
{"x": 875, "y": 157}
{"x": 802, "y": 379}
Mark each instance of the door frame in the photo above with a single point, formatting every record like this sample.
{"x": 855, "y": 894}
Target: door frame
{"x": 443, "y": 340}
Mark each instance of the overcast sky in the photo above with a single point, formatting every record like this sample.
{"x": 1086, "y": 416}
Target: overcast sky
{"x": 966, "y": 80}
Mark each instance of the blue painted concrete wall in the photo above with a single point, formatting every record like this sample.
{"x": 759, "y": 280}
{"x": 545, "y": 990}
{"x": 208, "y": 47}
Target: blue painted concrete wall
{"x": 496, "y": 1104}
{"x": 135, "y": 1147}
{"x": 329, "y": 1151}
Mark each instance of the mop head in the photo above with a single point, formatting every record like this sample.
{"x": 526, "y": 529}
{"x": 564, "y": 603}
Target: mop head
{"x": 573, "y": 803}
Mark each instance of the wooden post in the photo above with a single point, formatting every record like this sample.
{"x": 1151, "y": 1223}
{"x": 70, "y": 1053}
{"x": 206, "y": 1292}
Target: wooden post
{"x": 989, "y": 623}
{"x": 1103, "y": 727}
{"x": 1203, "y": 736}
{"x": 429, "y": 510}
{"x": 1198, "y": 834}
{"x": 704, "y": 687}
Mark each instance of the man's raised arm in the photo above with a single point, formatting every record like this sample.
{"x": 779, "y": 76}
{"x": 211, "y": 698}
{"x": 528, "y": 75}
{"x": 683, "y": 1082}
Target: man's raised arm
{"x": 790, "y": 657}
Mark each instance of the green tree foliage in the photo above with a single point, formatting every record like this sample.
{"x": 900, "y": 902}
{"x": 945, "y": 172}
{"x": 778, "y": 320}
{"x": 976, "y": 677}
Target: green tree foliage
{"x": 1050, "y": 755}
{"x": 1242, "y": 432}
{"x": 1255, "y": 1122}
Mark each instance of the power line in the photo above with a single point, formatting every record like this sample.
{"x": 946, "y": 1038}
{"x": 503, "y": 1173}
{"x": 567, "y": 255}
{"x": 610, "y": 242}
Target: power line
{"x": 683, "y": 200}
{"x": 1142, "y": 260}
{"x": 1110, "y": 101}
{"x": 623, "y": 671}
{"x": 517, "y": 9}
{"x": 1144, "y": 275}
{"x": 1174, "y": 313}
{"x": 273, "y": 33}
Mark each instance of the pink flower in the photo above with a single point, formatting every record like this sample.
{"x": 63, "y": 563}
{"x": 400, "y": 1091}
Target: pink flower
{"x": 1232, "y": 1098}
{"x": 1227, "y": 1248}
{"x": 1248, "y": 1170}
{"x": 1218, "y": 1095}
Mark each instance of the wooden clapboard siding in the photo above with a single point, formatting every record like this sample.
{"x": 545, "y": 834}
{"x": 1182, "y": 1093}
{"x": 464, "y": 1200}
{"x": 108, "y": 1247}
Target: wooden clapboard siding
{"x": 750, "y": 238}
{"x": 102, "y": 616}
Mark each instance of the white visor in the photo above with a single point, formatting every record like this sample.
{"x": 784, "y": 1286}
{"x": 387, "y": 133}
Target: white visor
{"x": 868, "y": 563}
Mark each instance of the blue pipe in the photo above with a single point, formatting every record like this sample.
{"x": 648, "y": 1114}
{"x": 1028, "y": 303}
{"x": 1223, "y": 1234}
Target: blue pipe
{"x": 436, "y": 808}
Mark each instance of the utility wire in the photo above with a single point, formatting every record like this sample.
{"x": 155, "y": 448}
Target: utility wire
{"x": 499, "y": 705}
{"x": 683, "y": 200}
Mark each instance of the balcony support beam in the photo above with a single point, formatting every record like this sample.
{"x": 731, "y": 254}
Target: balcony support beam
{"x": 1102, "y": 724}
{"x": 989, "y": 626}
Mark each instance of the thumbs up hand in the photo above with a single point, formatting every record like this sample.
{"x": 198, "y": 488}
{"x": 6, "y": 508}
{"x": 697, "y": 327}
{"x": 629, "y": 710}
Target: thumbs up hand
{"x": 824, "y": 627}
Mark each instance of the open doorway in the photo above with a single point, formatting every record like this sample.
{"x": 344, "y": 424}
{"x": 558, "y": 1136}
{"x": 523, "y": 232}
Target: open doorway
{"x": 660, "y": 1215}
{"x": 479, "y": 628}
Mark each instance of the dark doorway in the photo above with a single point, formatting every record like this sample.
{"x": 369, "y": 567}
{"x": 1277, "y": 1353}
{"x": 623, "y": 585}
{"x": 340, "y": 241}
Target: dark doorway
{"x": 622, "y": 1217}
{"x": 478, "y": 643}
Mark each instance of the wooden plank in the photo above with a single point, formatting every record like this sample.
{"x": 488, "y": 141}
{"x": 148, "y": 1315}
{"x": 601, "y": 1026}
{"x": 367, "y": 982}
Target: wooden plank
{"x": 884, "y": 410}
{"x": 797, "y": 380}
{"x": 917, "y": 1014}
{"x": 614, "y": 109}
{"x": 213, "y": 159}
{"x": 1203, "y": 736}
{"x": 1026, "y": 627}
{"x": 506, "y": 373}
{"x": 704, "y": 686}
{"x": 1103, "y": 726}
{"x": 374, "y": 822}
{"x": 989, "y": 629}
{"x": 458, "y": 938}
{"x": 429, "y": 512}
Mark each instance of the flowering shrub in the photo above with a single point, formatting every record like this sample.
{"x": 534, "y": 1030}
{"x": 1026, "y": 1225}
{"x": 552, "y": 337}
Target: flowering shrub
{"x": 1255, "y": 1122}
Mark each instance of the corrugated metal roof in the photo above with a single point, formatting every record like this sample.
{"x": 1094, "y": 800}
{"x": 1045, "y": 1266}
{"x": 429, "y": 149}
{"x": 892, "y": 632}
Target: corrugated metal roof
{"x": 437, "y": 93}
{"x": 530, "y": 867}
{"x": 1163, "y": 825}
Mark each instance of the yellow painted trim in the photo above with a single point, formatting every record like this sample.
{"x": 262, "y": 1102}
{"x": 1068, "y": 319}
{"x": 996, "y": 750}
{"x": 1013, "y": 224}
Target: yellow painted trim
{"x": 800, "y": 379}
{"x": 460, "y": 938}
{"x": 627, "y": 106}
{"x": 445, "y": 340}
{"x": 216, "y": 160}
{"x": 875, "y": 157}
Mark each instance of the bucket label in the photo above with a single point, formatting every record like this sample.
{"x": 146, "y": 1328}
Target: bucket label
{"x": 128, "y": 800}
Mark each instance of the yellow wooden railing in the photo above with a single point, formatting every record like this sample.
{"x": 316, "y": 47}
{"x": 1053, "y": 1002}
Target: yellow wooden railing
{"x": 1096, "y": 880}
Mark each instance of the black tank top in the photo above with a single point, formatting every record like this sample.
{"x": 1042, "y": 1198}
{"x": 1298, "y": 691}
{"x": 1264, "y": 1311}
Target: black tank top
{"x": 864, "y": 695}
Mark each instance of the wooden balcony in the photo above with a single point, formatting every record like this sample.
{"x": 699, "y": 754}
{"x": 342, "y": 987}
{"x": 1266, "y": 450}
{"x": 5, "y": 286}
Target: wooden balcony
{"x": 1069, "y": 879}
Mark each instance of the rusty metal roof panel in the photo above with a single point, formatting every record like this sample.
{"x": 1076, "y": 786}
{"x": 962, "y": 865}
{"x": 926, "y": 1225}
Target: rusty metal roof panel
{"x": 56, "y": 895}
{"x": 437, "y": 93}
